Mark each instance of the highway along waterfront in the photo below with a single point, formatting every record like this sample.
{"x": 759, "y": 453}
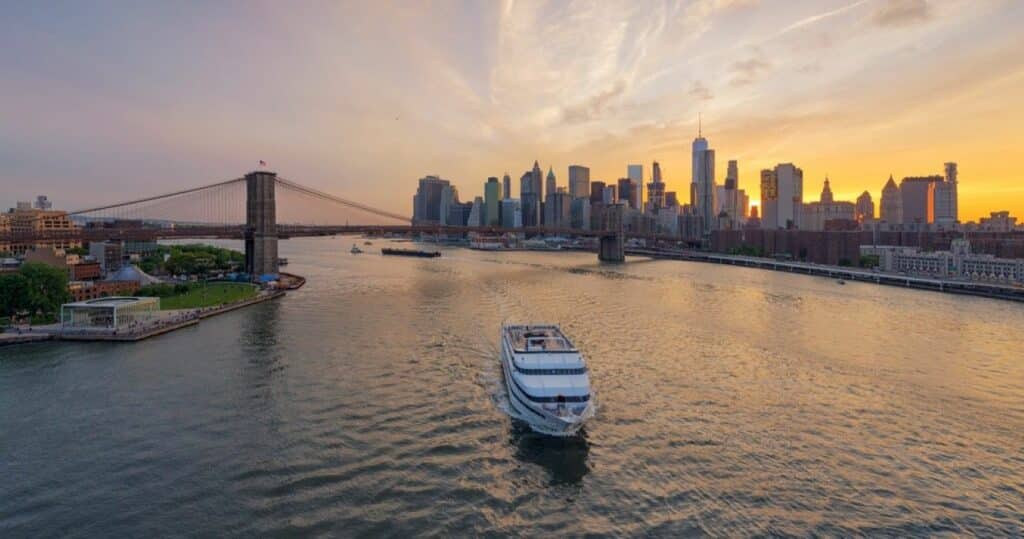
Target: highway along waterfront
{"x": 730, "y": 401}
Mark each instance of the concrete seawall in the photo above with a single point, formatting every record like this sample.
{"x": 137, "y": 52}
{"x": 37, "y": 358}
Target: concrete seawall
{"x": 57, "y": 334}
{"x": 23, "y": 338}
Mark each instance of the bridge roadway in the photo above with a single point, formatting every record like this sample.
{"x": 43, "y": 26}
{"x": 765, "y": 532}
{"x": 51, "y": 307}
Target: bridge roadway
{"x": 91, "y": 234}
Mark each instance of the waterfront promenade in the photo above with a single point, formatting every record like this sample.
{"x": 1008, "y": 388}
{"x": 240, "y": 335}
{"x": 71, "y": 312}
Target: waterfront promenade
{"x": 972, "y": 288}
{"x": 167, "y": 322}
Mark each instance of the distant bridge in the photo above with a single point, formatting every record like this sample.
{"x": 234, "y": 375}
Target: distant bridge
{"x": 250, "y": 208}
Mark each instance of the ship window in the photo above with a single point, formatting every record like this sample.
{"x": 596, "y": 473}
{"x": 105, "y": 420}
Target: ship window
{"x": 551, "y": 372}
{"x": 575, "y": 398}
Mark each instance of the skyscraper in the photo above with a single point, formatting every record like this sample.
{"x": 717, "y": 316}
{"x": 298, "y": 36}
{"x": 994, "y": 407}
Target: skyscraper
{"x": 529, "y": 199}
{"x": 507, "y": 181}
{"x": 538, "y": 188}
{"x": 429, "y": 201}
{"x": 918, "y": 195}
{"x": 511, "y": 213}
{"x": 551, "y": 187}
{"x": 731, "y": 192}
{"x": 946, "y": 197}
{"x": 635, "y": 173}
{"x": 596, "y": 192}
{"x": 891, "y": 203}
{"x": 476, "y": 214}
{"x": 492, "y": 198}
{"x": 558, "y": 209}
{"x": 782, "y": 191}
{"x": 704, "y": 182}
{"x": 865, "y": 207}
{"x": 610, "y": 195}
{"x": 580, "y": 209}
{"x": 626, "y": 190}
{"x": 951, "y": 177}
{"x": 656, "y": 189}
{"x": 579, "y": 181}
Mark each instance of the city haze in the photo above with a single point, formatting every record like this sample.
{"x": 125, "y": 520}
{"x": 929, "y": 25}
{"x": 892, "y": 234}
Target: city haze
{"x": 362, "y": 100}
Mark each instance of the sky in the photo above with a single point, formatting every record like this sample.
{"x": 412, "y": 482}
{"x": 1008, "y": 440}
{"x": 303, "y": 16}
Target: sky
{"x": 106, "y": 101}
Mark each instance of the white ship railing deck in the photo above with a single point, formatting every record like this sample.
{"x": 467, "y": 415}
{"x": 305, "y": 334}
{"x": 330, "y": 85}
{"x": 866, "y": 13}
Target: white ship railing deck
{"x": 527, "y": 339}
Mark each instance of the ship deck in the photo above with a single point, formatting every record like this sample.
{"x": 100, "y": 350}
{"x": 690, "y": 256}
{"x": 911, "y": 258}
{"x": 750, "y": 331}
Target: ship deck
{"x": 538, "y": 339}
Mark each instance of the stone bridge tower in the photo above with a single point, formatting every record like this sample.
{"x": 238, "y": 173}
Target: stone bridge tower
{"x": 260, "y": 224}
{"x": 613, "y": 242}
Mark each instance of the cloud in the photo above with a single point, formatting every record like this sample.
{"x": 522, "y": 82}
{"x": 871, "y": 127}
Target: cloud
{"x": 902, "y": 13}
{"x": 749, "y": 70}
{"x": 592, "y": 107}
{"x": 700, "y": 92}
{"x": 729, "y": 5}
{"x": 809, "y": 69}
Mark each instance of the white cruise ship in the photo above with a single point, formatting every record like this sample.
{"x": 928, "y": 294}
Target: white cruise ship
{"x": 546, "y": 378}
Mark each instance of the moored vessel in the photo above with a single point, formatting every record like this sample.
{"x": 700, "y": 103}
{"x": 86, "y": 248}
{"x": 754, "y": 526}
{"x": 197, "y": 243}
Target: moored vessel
{"x": 410, "y": 252}
{"x": 355, "y": 249}
{"x": 546, "y": 378}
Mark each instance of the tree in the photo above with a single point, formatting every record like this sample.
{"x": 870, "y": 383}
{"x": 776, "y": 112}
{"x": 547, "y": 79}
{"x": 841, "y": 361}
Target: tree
{"x": 869, "y": 261}
{"x": 13, "y": 294}
{"x": 46, "y": 288}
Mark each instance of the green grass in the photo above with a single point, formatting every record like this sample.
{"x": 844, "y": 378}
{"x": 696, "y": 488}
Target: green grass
{"x": 209, "y": 295}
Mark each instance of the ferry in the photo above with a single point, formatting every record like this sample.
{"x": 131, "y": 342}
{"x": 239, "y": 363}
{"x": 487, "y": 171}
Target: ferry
{"x": 480, "y": 242}
{"x": 546, "y": 379}
{"x": 355, "y": 249}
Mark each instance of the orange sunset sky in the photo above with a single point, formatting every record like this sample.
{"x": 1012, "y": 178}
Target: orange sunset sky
{"x": 105, "y": 101}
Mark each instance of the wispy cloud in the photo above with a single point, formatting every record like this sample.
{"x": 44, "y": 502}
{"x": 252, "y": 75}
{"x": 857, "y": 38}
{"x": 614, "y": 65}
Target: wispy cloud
{"x": 700, "y": 92}
{"x": 750, "y": 69}
{"x": 813, "y": 19}
{"x": 901, "y": 13}
{"x": 592, "y": 107}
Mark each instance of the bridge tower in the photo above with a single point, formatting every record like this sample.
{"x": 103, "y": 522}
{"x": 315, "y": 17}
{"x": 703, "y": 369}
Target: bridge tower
{"x": 260, "y": 223}
{"x": 613, "y": 241}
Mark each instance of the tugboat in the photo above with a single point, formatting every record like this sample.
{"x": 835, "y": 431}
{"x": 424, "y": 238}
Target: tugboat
{"x": 546, "y": 379}
{"x": 355, "y": 249}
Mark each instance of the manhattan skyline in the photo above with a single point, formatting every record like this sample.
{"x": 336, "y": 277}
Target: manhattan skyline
{"x": 140, "y": 99}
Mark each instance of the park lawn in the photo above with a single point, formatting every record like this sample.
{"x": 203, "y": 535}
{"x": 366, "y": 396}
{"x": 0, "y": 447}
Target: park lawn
{"x": 210, "y": 295}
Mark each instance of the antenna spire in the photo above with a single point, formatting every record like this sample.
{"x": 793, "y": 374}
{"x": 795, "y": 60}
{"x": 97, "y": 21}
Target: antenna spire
{"x": 699, "y": 126}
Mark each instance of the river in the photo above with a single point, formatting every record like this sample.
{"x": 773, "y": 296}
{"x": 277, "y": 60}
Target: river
{"x": 731, "y": 402}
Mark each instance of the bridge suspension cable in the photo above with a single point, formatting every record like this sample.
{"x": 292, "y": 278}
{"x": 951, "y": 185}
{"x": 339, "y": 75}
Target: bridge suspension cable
{"x": 224, "y": 203}
{"x": 157, "y": 197}
{"x": 298, "y": 188}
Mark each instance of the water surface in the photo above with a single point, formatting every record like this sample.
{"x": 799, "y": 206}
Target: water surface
{"x": 732, "y": 402}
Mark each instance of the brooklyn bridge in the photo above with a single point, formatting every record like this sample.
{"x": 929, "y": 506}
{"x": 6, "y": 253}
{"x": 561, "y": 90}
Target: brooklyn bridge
{"x": 262, "y": 208}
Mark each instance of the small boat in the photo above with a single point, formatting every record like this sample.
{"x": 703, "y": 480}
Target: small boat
{"x": 355, "y": 249}
{"x": 410, "y": 252}
{"x": 367, "y": 243}
{"x": 546, "y": 379}
{"x": 840, "y": 281}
